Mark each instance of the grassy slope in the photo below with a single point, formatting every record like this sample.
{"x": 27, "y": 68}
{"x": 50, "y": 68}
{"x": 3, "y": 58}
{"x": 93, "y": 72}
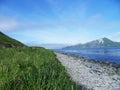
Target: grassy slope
{"x": 8, "y": 42}
{"x": 32, "y": 69}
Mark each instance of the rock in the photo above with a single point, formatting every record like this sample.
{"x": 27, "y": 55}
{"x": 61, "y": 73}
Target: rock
{"x": 2, "y": 46}
{"x": 118, "y": 71}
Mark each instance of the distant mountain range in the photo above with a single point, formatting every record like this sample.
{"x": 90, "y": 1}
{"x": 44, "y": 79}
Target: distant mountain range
{"x": 53, "y": 46}
{"x": 100, "y": 43}
{"x": 7, "y": 42}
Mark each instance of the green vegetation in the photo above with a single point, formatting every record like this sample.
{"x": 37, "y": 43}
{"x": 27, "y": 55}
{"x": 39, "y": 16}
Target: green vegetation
{"x": 6, "y": 41}
{"x": 32, "y": 68}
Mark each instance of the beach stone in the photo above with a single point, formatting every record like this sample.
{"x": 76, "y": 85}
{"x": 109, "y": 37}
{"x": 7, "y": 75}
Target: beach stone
{"x": 2, "y": 46}
{"x": 118, "y": 71}
{"x": 93, "y": 75}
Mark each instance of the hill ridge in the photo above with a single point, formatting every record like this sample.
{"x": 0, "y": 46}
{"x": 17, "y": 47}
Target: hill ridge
{"x": 8, "y": 42}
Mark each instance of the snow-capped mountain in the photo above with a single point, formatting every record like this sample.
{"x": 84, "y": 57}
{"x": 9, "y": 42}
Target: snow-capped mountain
{"x": 102, "y": 42}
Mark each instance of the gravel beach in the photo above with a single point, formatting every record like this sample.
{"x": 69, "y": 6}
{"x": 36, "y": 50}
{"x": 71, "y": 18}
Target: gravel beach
{"x": 93, "y": 75}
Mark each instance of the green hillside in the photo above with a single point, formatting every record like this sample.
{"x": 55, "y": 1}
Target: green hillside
{"x": 6, "y": 41}
{"x": 31, "y": 68}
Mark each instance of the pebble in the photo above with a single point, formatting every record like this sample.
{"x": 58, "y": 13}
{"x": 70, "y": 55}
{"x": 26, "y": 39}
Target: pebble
{"x": 91, "y": 74}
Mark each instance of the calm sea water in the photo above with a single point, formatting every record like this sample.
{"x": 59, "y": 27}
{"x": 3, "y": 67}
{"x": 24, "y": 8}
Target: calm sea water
{"x": 101, "y": 54}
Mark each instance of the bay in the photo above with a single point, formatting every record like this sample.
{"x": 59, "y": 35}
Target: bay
{"x": 99, "y": 54}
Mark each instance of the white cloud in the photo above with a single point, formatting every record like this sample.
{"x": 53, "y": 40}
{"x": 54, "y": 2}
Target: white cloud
{"x": 76, "y": 10}
{"x": 115, "y": 36}
{"x": 94, "y": 20}
{"x": 12, "y": 24}
{"x": 8, "y": 24}
{"x": 112, "y": 25}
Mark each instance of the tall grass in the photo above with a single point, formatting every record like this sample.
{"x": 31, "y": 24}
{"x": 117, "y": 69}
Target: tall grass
{"x": 32, "y": 69}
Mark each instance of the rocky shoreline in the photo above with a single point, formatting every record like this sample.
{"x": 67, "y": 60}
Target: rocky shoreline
{"x": 92, "y": 74}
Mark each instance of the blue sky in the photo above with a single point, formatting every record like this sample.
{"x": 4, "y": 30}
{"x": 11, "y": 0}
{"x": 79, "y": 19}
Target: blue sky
{"x": 60, "y": 21}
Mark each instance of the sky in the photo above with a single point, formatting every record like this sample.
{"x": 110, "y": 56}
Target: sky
{"x": 35, "y": 22}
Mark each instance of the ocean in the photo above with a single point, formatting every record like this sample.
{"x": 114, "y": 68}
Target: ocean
{"x": 111, "y": 55}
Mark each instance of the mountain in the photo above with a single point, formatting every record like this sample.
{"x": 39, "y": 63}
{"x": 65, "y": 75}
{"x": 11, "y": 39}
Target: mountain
{"x": 100, "y": 43}
{"x": 47, "y": 45}
{"x": 53, "y": 46}
{"x": 6, "y": 41}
